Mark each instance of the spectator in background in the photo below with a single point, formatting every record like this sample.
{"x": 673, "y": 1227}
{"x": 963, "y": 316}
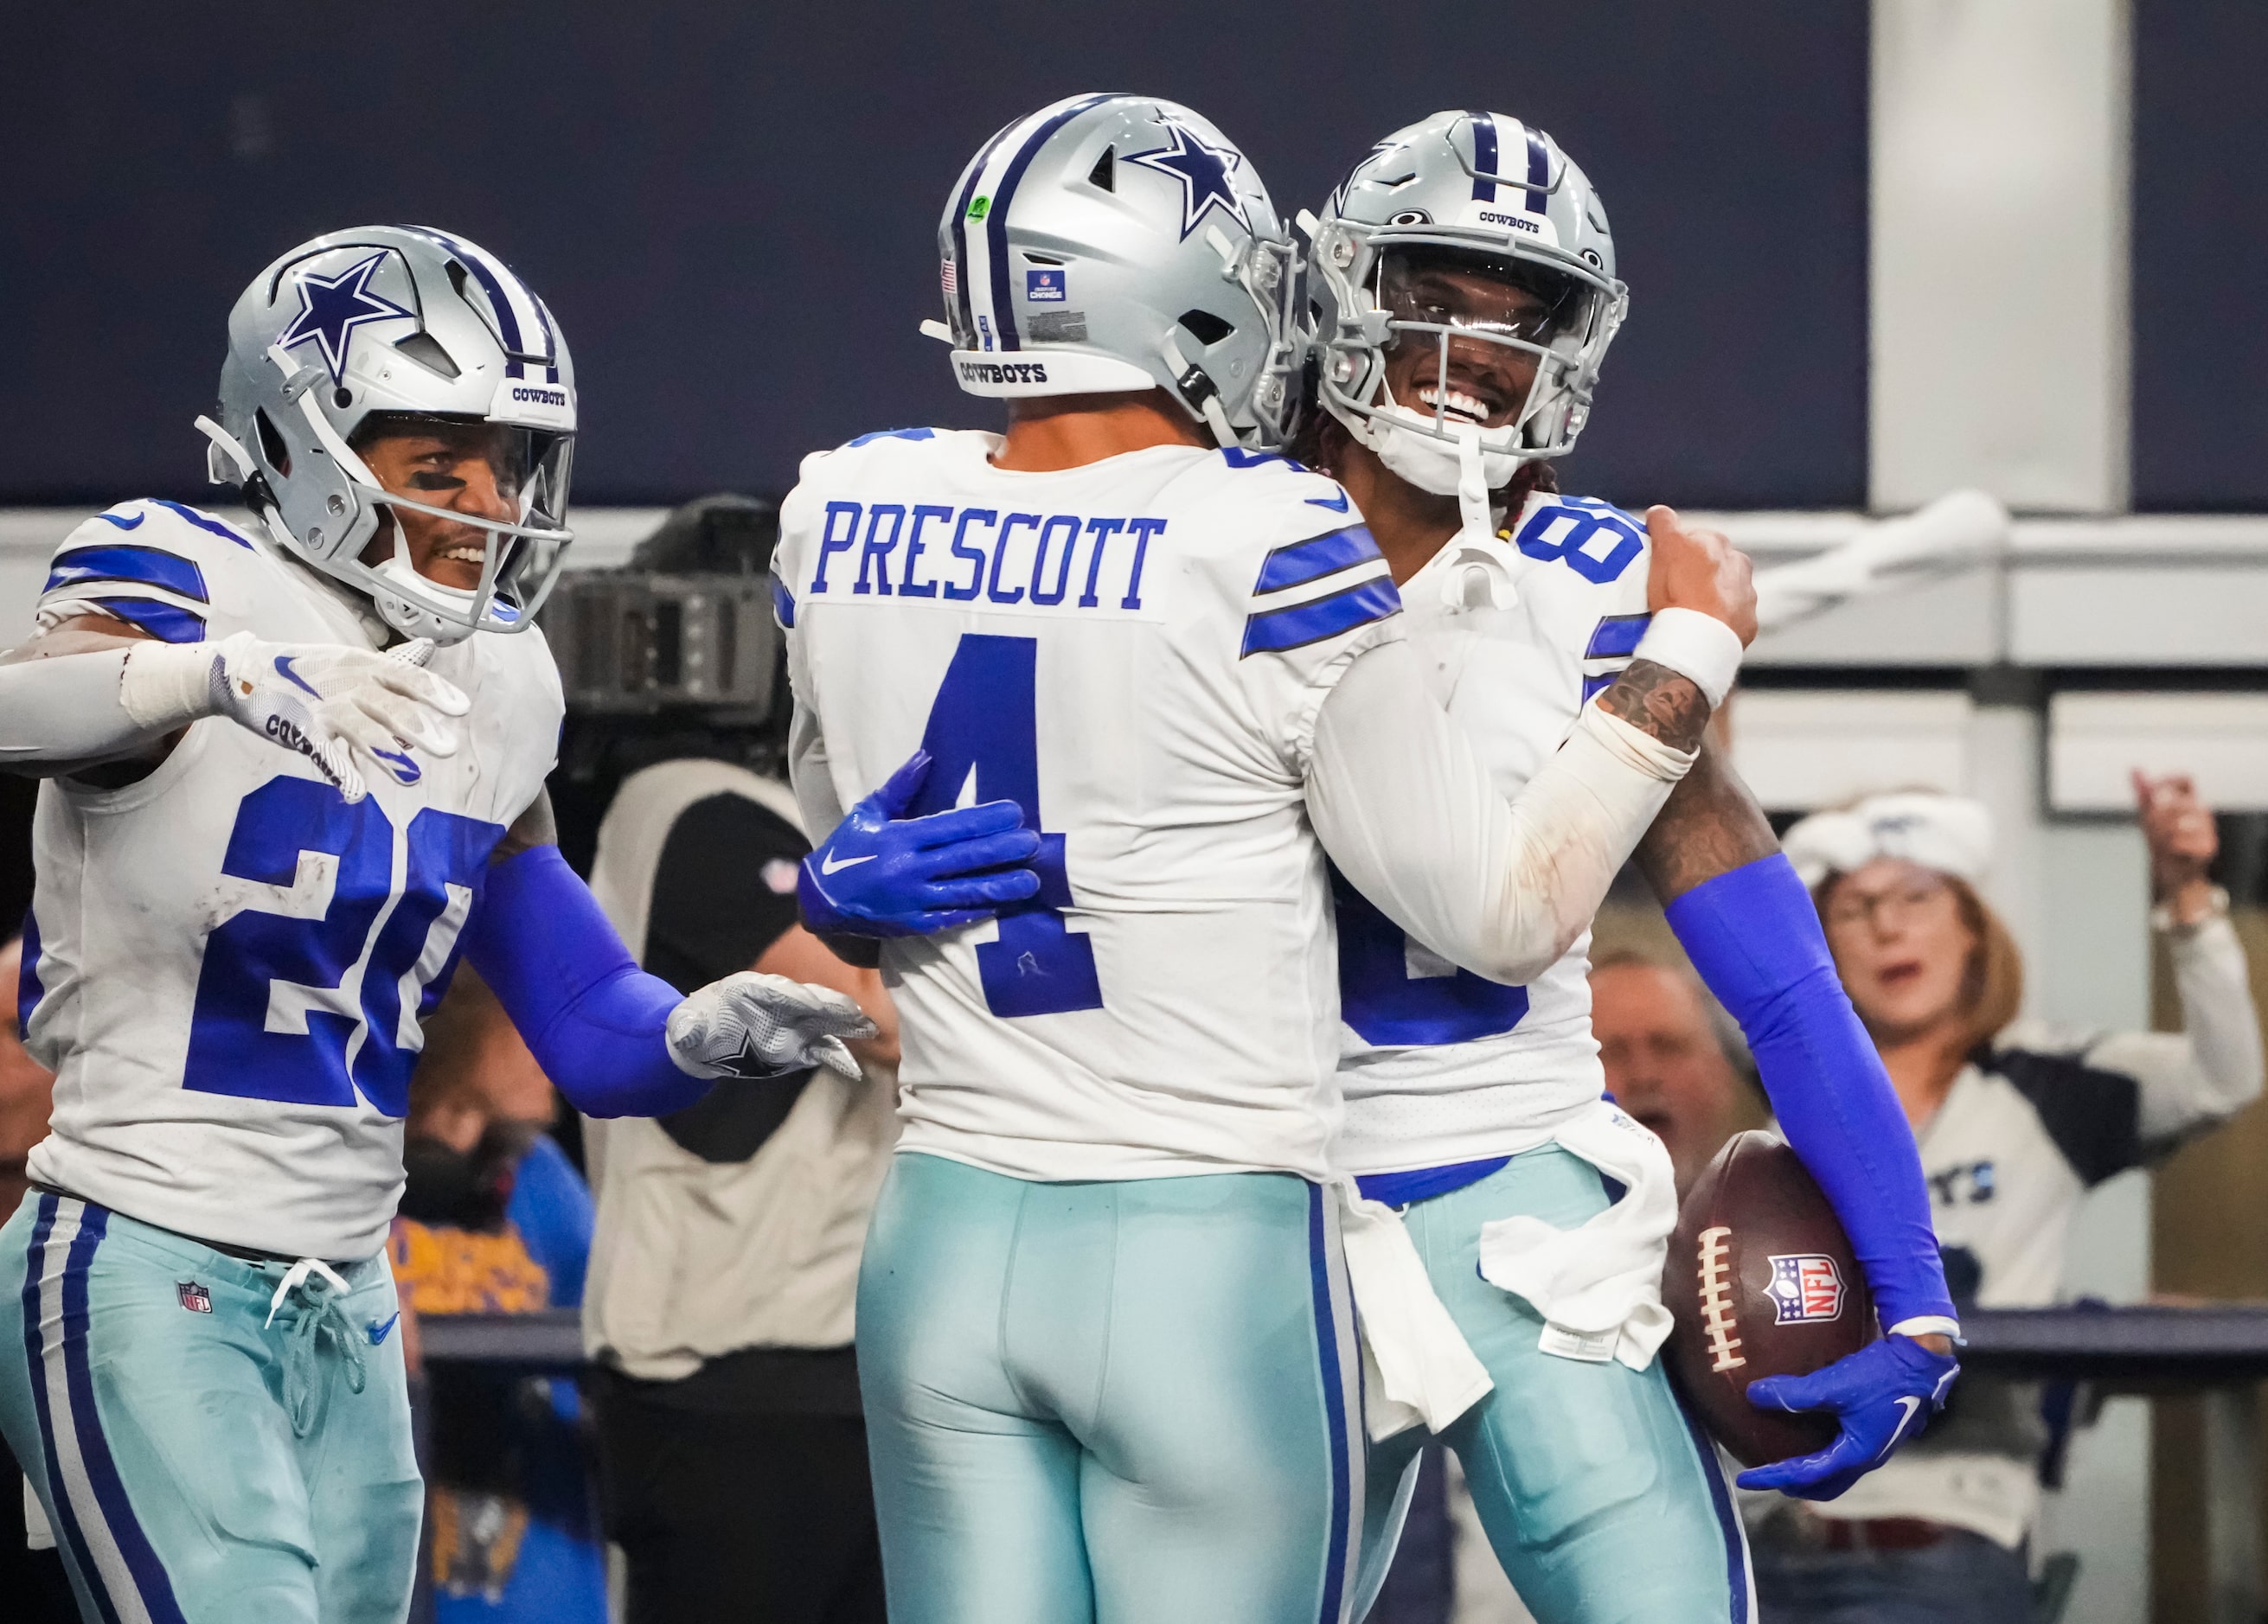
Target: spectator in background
{"x": 1674, "y": 1060}
{"x": 2014, "y": 1124}
{"x": 495, "y": 1219}
{"x": 722, "y": 1284}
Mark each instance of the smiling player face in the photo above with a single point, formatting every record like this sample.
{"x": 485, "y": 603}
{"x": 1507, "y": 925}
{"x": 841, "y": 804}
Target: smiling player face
{"x": 471, "y": 469}
{"x": 1473, "y": 306}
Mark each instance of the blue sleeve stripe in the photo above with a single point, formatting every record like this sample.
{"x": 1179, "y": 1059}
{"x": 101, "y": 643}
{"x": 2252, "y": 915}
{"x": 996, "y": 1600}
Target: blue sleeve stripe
{"x": 783, "y": 604}
{"x": 145, "y": 566}
{"x": 1617, "y": 637}
{"x": 205, "y": 521}
{"x": 160, "y": 619}
{"x": 1322, "y": 617}
{"x": 891, "y": 434}
{"x": 1311, "y": 560}
{"x": 1593, "y": 687}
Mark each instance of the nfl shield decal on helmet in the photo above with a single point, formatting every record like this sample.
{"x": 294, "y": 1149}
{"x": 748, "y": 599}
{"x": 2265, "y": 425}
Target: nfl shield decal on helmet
{"x": 193, "y": 1296}
{"x": 1805, "y": 1287}
{"x": 1044, "y": 287}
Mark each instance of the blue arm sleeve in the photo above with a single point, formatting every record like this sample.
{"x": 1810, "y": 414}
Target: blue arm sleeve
{"x": 1754, "y": 936}
{"x": 593, "y": 1019}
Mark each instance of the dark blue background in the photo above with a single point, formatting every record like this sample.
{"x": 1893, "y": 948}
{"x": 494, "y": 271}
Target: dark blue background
{"x": 733, "y": 215}
{"x": 2201, "y": 256}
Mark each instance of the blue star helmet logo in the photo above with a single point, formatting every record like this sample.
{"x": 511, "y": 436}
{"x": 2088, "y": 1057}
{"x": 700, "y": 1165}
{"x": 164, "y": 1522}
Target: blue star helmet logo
{"x": 332, "y": 307}
{"x": 1203, "y": 173}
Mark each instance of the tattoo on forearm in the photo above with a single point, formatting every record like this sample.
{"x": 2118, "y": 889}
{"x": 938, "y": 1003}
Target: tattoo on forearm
{"x": 1710, "y": 825}
{"x": 1656, "y": 700}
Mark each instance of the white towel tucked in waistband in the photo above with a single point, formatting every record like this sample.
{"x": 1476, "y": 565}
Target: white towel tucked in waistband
{"x": 1598, "y": 1286}
{"x": 1416, "y": 1368}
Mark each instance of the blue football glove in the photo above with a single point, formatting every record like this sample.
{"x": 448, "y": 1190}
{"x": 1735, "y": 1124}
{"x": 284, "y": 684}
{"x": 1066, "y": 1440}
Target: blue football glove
{"x": 1884, "y": 1394}
{"x": 879, "y": 875}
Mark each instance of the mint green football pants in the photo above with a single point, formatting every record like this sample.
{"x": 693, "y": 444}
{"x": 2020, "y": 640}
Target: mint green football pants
{"x": 199, "y": 1465}
{"x": 1601, "y": 1499}
{"x": 1131, "y": 1402}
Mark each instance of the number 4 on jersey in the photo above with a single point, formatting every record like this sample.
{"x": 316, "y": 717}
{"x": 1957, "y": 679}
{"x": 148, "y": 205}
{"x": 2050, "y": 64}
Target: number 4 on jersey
{"x": 984, "y": 723}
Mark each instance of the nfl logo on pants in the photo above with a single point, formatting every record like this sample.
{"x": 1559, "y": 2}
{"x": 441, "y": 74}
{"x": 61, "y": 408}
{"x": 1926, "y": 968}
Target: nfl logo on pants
{"x": 193, "y": 1296}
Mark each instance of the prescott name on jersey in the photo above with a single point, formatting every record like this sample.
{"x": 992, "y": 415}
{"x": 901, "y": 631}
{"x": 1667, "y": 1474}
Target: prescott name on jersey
{"x": 1136, "y": 652}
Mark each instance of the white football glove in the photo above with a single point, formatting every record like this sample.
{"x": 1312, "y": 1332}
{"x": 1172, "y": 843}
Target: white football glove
{"x": 327, "y": 701}
{"x": 752, "y": 1026}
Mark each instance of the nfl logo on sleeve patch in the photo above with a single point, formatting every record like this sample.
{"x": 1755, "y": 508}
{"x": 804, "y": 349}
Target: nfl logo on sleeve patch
{"x": 1044, "y": 287}
{"x": 193, "y": 1296}
{"x": 1805, "y": 1288}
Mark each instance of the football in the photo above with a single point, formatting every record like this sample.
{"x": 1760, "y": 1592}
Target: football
{"x": 1760, "y": 1282}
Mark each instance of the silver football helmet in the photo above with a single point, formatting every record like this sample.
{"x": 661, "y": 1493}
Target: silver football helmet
{"x": 1114, "y": 243}
{"x": 397, "y": 320}
{"x": 1473, "y": 191}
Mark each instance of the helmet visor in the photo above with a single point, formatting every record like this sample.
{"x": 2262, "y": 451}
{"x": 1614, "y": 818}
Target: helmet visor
{"x": 1476, "y": 339}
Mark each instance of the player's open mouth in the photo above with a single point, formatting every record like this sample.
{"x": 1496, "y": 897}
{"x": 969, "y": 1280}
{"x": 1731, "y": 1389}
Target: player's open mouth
{"x": 475, "y": 556}
{"x": 1455, "y": 403}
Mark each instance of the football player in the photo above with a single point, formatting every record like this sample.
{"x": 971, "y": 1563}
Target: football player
{"x": 1103, "y": 1334}
{"x": 293, "y": 771}
{"x": 1461, "y": 296}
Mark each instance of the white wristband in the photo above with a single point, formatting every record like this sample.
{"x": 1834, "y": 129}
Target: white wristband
{"x": 1926, "y": 1324}
{"x": 1694, "y": 645}
{"x": 169, "y": 685}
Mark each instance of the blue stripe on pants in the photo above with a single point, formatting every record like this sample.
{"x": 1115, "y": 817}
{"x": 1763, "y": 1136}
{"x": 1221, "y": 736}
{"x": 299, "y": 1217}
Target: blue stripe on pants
{"x": 156, "y": 1591}
{"x": 1728, "y": 1517}
{"x": 1320, "y": 1260}
{"x": 35, "y": 1363}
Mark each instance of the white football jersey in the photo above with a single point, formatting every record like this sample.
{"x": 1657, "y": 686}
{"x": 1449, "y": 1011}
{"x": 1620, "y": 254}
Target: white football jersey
{"x": 226, "y": 963}
{"x": 1441, "y": 1065}
{"x": 1135, "y": 650}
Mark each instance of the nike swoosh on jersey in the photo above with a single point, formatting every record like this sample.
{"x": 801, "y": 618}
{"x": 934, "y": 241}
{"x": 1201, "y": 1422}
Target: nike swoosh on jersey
{"x": 1337, "y": 504}
{"x": 378, "y": 1332}
{"x": 832, "y": 864}
{"x": 283, "y": 668}
{"x": 123, "y": 523}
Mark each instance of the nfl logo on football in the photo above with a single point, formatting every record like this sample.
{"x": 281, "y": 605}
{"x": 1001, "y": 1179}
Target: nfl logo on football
{"x": 193, "y": 1296}
{"x": 1805, "y": 1287}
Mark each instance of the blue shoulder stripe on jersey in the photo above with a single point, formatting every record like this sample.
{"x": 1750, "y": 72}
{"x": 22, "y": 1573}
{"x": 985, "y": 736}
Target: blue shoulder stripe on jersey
{"x": 1280, "y": 630}
{"x": 204, "y": 521}
{"x": 1617, "y": 637}
{"x": 145, "y": 566}
{"x": 1311, "y": 560}
{"x": 162, "y": 621}
{"x": 891, "y": 434}
{"x": 1483, "y": 157}
{"x": 783, "y": 604}
{"x": 996, "y": 216}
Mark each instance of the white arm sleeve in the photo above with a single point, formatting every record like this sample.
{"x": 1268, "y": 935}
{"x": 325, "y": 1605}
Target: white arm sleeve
{"x": 810, "y": 776}
{"x": 1405, "y": 809}
{"x": 72, "y": 709}
{"x": 2213, "y": 1066}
